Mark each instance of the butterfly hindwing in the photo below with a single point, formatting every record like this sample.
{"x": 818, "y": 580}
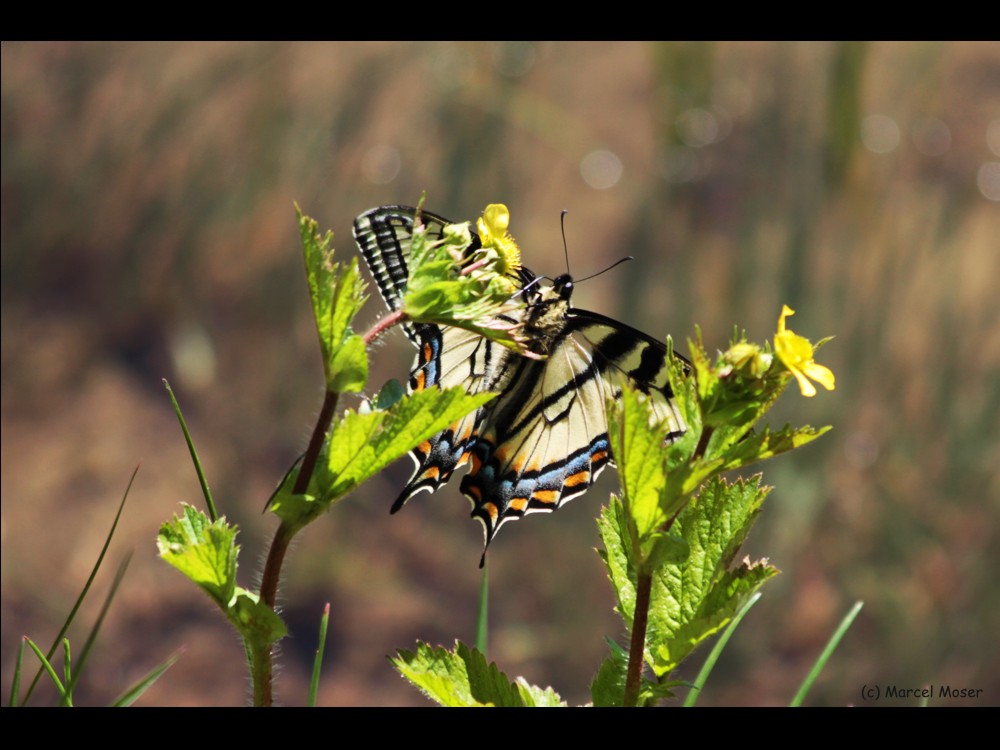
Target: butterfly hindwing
{"x": 544, "y": 439}
{"x": 547, "y": 439}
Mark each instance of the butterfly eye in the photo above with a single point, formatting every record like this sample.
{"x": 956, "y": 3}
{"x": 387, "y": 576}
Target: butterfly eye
{"x": 563, "y": 286}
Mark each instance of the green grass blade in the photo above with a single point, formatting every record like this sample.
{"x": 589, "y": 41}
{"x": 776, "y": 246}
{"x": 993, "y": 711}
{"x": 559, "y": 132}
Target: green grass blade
{"x": 716, "y": 652}
{"x": 212, "y": 512}
{"x": 132, "y": 694}
{"x": 832, "y": 644}
{"x": 47, "y": 667}
{"x": 482, "y": 630}
{"x": 67, "y": 667}
{"x": 15, "y": 684}
{"x": 86, "y": 587}
{"x": 92, "y": 637}
{"x": 324, "y": 621}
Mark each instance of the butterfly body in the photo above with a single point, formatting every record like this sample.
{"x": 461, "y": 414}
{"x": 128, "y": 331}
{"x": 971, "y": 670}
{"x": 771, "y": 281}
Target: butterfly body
{"x": 543, "y": 440}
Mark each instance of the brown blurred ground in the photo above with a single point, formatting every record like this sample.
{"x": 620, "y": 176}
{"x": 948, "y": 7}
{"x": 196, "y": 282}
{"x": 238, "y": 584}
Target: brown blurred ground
{"x": 148, "y": 232}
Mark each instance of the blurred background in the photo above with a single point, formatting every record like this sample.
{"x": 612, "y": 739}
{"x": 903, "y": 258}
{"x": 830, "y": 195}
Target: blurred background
{"x": 149, "y": 232}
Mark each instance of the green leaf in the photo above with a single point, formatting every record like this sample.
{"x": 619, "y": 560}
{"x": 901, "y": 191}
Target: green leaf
{"x": 464, "y": 678}
{"x": 690, "y": 602}
{"x": 637, "y": 444}
{"x": 392, "y": 393}
{"x": 766, "y": 444}
{"x": 613, "y": 525}
{"x": 337, "y": 293}
{"x": 361, "y": 445}
{"x": 447, "y": 286}
{"x": 256, "y": 621}
{"x": 608, "y": 687}
{"x": 348, "y": 370}
{"x": 203, "y": 551}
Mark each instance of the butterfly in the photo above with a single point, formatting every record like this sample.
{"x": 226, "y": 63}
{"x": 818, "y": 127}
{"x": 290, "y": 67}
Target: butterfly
{"x": 544, "y": 440}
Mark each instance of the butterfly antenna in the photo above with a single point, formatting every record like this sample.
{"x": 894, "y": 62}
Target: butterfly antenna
{"x": 562, "y": 225}
{"x": 528, "y": 286}
{"x": 626, "y": 259}
{"x": 562, "y": 222}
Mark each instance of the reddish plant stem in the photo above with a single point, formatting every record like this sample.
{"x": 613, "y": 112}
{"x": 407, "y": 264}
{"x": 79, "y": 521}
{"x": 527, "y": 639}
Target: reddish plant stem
{"x": 262, "y": 662}
{"x": 316, "y": 442}
{"x": 393, "y": 318}
{"x": 637, "y": 647}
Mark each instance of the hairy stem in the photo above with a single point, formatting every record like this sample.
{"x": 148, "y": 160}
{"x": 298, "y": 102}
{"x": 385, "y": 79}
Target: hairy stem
{"x": 390, "y": 320}
{"x": 637, "y": 647}
{"x": 261, "y": 659}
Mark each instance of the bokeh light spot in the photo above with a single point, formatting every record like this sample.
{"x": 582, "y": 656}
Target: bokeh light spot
{"x": 601, "y": 169}
{"x": 697, "y": 127}
{"x": 880, "y": 134}
{"x": 988, "y": 180}
{"x": 381, "y": 164}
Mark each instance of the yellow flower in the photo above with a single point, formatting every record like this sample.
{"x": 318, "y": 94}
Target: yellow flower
{"x": 493, "y": 233}
{"x": 796, "y": 352}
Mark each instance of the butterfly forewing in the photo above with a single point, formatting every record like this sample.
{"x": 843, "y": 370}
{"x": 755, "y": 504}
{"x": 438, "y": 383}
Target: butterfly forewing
{"x": 544, "y": 439}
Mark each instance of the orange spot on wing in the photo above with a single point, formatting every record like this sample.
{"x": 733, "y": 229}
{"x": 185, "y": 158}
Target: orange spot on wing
{"x": 519, "y": 504}
{"x": 574, "y": 480}
{"x": 420, "y": 378}
{"x": 598, "y": 456}
{"x": 491, "y": 509}
{"x": 545, "y": 496}
{"x": 433, "y": 472}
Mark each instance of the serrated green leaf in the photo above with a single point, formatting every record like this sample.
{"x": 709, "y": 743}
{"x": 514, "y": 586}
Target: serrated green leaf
{"x": 437, "y": 673}
{"x": 337, "y": 293}
{"x": 203, "y": 551}
{"x": 613, "y": 525}
{"x": 363, "y": 445}
{"x": 637, "y": 444}
{"x": 447, "y": 286}
{"x": 689, "y": 602}
{"x": 766, "y": 444}
{"x": 654, "y": 691}
{"x": 608, "y": 687}
{"x": 536, "y": 697}
{"x": 487, "y": 684}
{"x": 464, "y": 678}
{"x": 661, "y": 548}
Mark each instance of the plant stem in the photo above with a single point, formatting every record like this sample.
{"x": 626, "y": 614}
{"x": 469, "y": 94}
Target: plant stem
{"x": 261, "y": 658}
{"x": 316, "y": 442}
{"x": 393, "y": 318}
{"x": 637, "y": 647}
{"x": 706, "y": 435}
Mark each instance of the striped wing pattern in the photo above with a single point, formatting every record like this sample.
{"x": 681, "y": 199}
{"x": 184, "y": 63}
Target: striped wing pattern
{"x": 544, "y": 439}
